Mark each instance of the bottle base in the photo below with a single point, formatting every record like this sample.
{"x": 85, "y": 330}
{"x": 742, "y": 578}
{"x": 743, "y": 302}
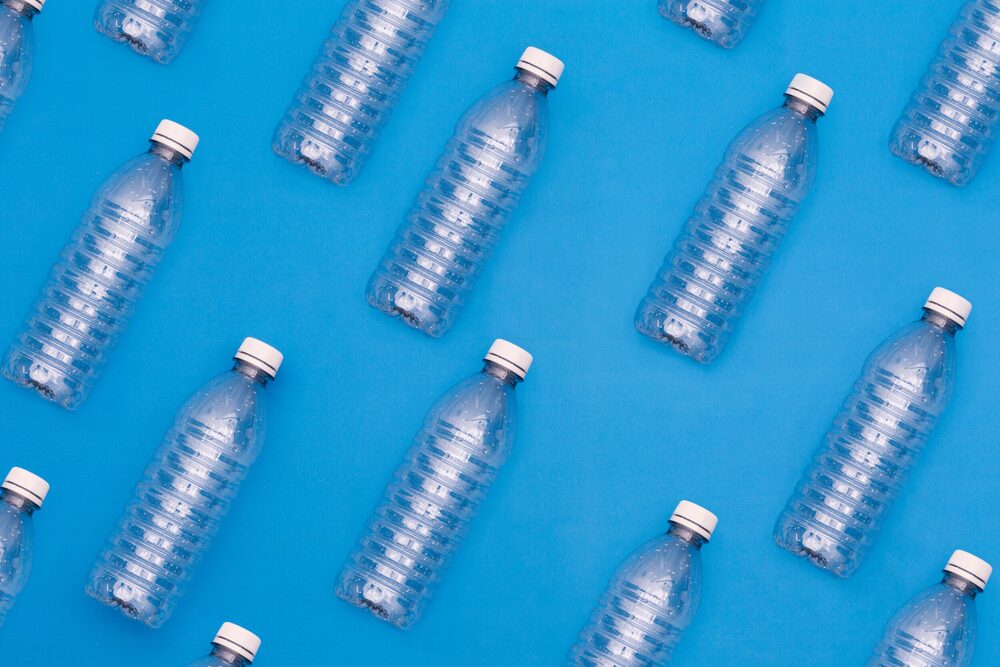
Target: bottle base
{"x": 812, "y": 543}
{"x": 376, "y": 598}
{"x": 413, "y": 309}
{"x": 139, "y": 35}
{"x": 704, "y": 20}
{"x": 49, "y": 383}
{"x": 300, "y": 148}
{"x": 663, "y": 327}
{"x": 933, "y": 156}
{"x": 132, "y": 601}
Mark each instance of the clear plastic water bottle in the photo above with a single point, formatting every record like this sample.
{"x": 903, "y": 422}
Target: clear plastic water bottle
{"x": 426, "y": 510}
{"x": 186, "y": 491}
{"x": 154, "y": 28}
{"x": 339, "y": 111}
{"x": 91, "y": 293}
{"x": 233, "y": 646}
{"x": 430, "y": 267}
{"x": 938, "y": 627}
{"x": 17, "y": 50}
{"x": 23, "y": 493}
{"x": 724, "y": 22}
{"x": 842, "y": 499}
{"x": 652, "y": 598}
{"x": 951, "y": 120}
{"x": 715, "y": 265}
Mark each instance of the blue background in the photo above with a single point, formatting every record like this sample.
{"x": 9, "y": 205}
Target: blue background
{"x": 614, "y": 429}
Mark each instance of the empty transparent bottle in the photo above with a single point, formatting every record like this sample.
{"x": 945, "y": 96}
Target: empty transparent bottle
{"x": 23, "y": 493}
{"x": 711, "y": 273}
{"x": 233, "y": 646}
{"x": 951, "y": 120}
{"x": 426, "y": 510}
{"x": 154, "y": 28}
{"x": 336, "y": 117}
{"x": 429, "y": 269}
{"x": 178, "y": 506}
{"x": 91, "y": 293}
{"x": 724, "y": 22}
{"x": 937, "y": 628}
{"x": 17, "y": 50}
{"x": 652, "y": 598}
{"x": 842, "y": 499}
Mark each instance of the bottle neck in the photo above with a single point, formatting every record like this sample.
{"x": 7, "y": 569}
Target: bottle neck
{"x": 21, "y": 7}
{"x": 962, "y": 585}
{"x": 940, "y": 321}
{"x": 168, "y": 154}
{"x": 533, "y": 81}
{"x": 800, "y": 107}
{"x": 229, "y": 656}
{"x": 18, "y": 501}
{"x": 501, "y": 373}
{"x": 251, "y": 372}
{"x": 685, "y": 534}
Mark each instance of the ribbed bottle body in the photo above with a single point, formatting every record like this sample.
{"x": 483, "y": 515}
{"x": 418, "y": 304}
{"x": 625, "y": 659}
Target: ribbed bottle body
{"x": 101, "y": 274}
{"x": 650, "y": 601}
{"x": 842, "y": 499}
{"x": 716, "y": 263}
{"x": 724, "y": 22}
{"x": 426, "y": 510}
{"x": 154, "y": 28}
{"x": 935, "y": 629}
{"x": 337, "y": 114}
{"x": 177, "y": 507}
{"x": 17, "y": 50}
{"x": 17, "y": 540}
{"x": 428, "y": 271}
{"x": 951, "y": 120}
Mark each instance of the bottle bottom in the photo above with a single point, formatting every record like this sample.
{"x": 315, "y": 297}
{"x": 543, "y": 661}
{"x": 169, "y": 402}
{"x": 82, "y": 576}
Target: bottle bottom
{"x": 142, "y": 36}
{"x": 674, "y": 329}
{"x": 815, "y": 543}
{"x": 44, "y": 379}
{"x": 706, "y": 20}
{"x": 314, "y": 153}
{"x": 932, "y": 153}
{"x": 377, "y": 597}
{"x": 132, "y": 600}
{"x": 414, "y": 309}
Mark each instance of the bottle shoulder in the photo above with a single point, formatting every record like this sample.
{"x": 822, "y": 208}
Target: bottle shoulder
{"x": 16, "y": 539}
{"x": 16, "y": 50}
{"x": 480, "y": 408}
{"x": 145, "y": 192}
{"x": 230, "y": 408}
{"x": 664, "y": 573}
{"x": 782, "y": 145}
{"x": 941, "y": 620}
{"x": 512, "y": 120}
{"x": 919, "y": 359}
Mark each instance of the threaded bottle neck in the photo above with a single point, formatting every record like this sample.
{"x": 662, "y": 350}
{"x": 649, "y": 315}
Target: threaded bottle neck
{"x": 230, "y": 656}
{"x": 800, "y": 107}
{"x": 501, "y": 373}
{"x": 533, "y": 81}
{"x": 251, "y": 372}
{"x": 168, "y": 154}
{"x": 685, "y": 534}
{"x": 961, "y": 584}
{"x": 18, "y": 501}
{"x": 940, "y": 321}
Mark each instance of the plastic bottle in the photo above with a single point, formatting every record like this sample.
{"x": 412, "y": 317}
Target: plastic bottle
{"x": 103, "y": 270}
{"x": 23, "y": 493}
{"x": 937, "y": 628}
{"x": 426, "y": 509}
{"x": 652, "y": 598}
{"x": 233, "y": 646}
{"x": 429, "y": 269}
{"x": 842, "y": 499}
{"x": 178, "y": 506}
{"x": 951, "y": 120}
{"x": 724, "y": 22}
{"x": 711, "y": 273}
{"x": 334, "y": 121}
{"x": 155, "y": 28}
{"x": 17, "y": 50}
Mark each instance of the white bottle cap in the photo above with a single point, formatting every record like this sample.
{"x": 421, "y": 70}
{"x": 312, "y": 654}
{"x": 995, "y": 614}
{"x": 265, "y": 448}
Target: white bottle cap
{"x": 543, "y": 65}
{"x": 515, "y": 359}
{"x": 260, "y": 354}
{"x": 696, "y": 518}
{"x": 37, "y": 4}
{"x": 237, "y": 639}
{"x": 969, "y": 567}
{"x": 811, "y": 91}
{"x": 27, "y": 485}
{"x": 951, "y": 305}
{"x": 176, "y": 136}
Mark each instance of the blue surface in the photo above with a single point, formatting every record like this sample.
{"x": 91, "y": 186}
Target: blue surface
{"x": 614, "y": 430}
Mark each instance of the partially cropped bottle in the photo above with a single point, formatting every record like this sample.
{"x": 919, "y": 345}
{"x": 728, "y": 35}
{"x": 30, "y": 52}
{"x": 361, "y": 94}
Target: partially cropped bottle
{"x": 953, "y": 116}
{"x": 711, "y": 273}
{"x": 23, "y": 493}
{"x": 178, "y": 506}
{"x": 154, "y": 28}
{"x": 937, "y": 628}
{"x": 724, "y": 22}
{"x": 337, "y": 115}
{"x": 843, "y": 497}
{"x": 17, "y": 50}
{"x": 102, "y": 272}
{"x": 426, "y": 509}
{"x": 427, "y": 273}
{"x": 651, "y": 600}
{"x": 233, "y": 646}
